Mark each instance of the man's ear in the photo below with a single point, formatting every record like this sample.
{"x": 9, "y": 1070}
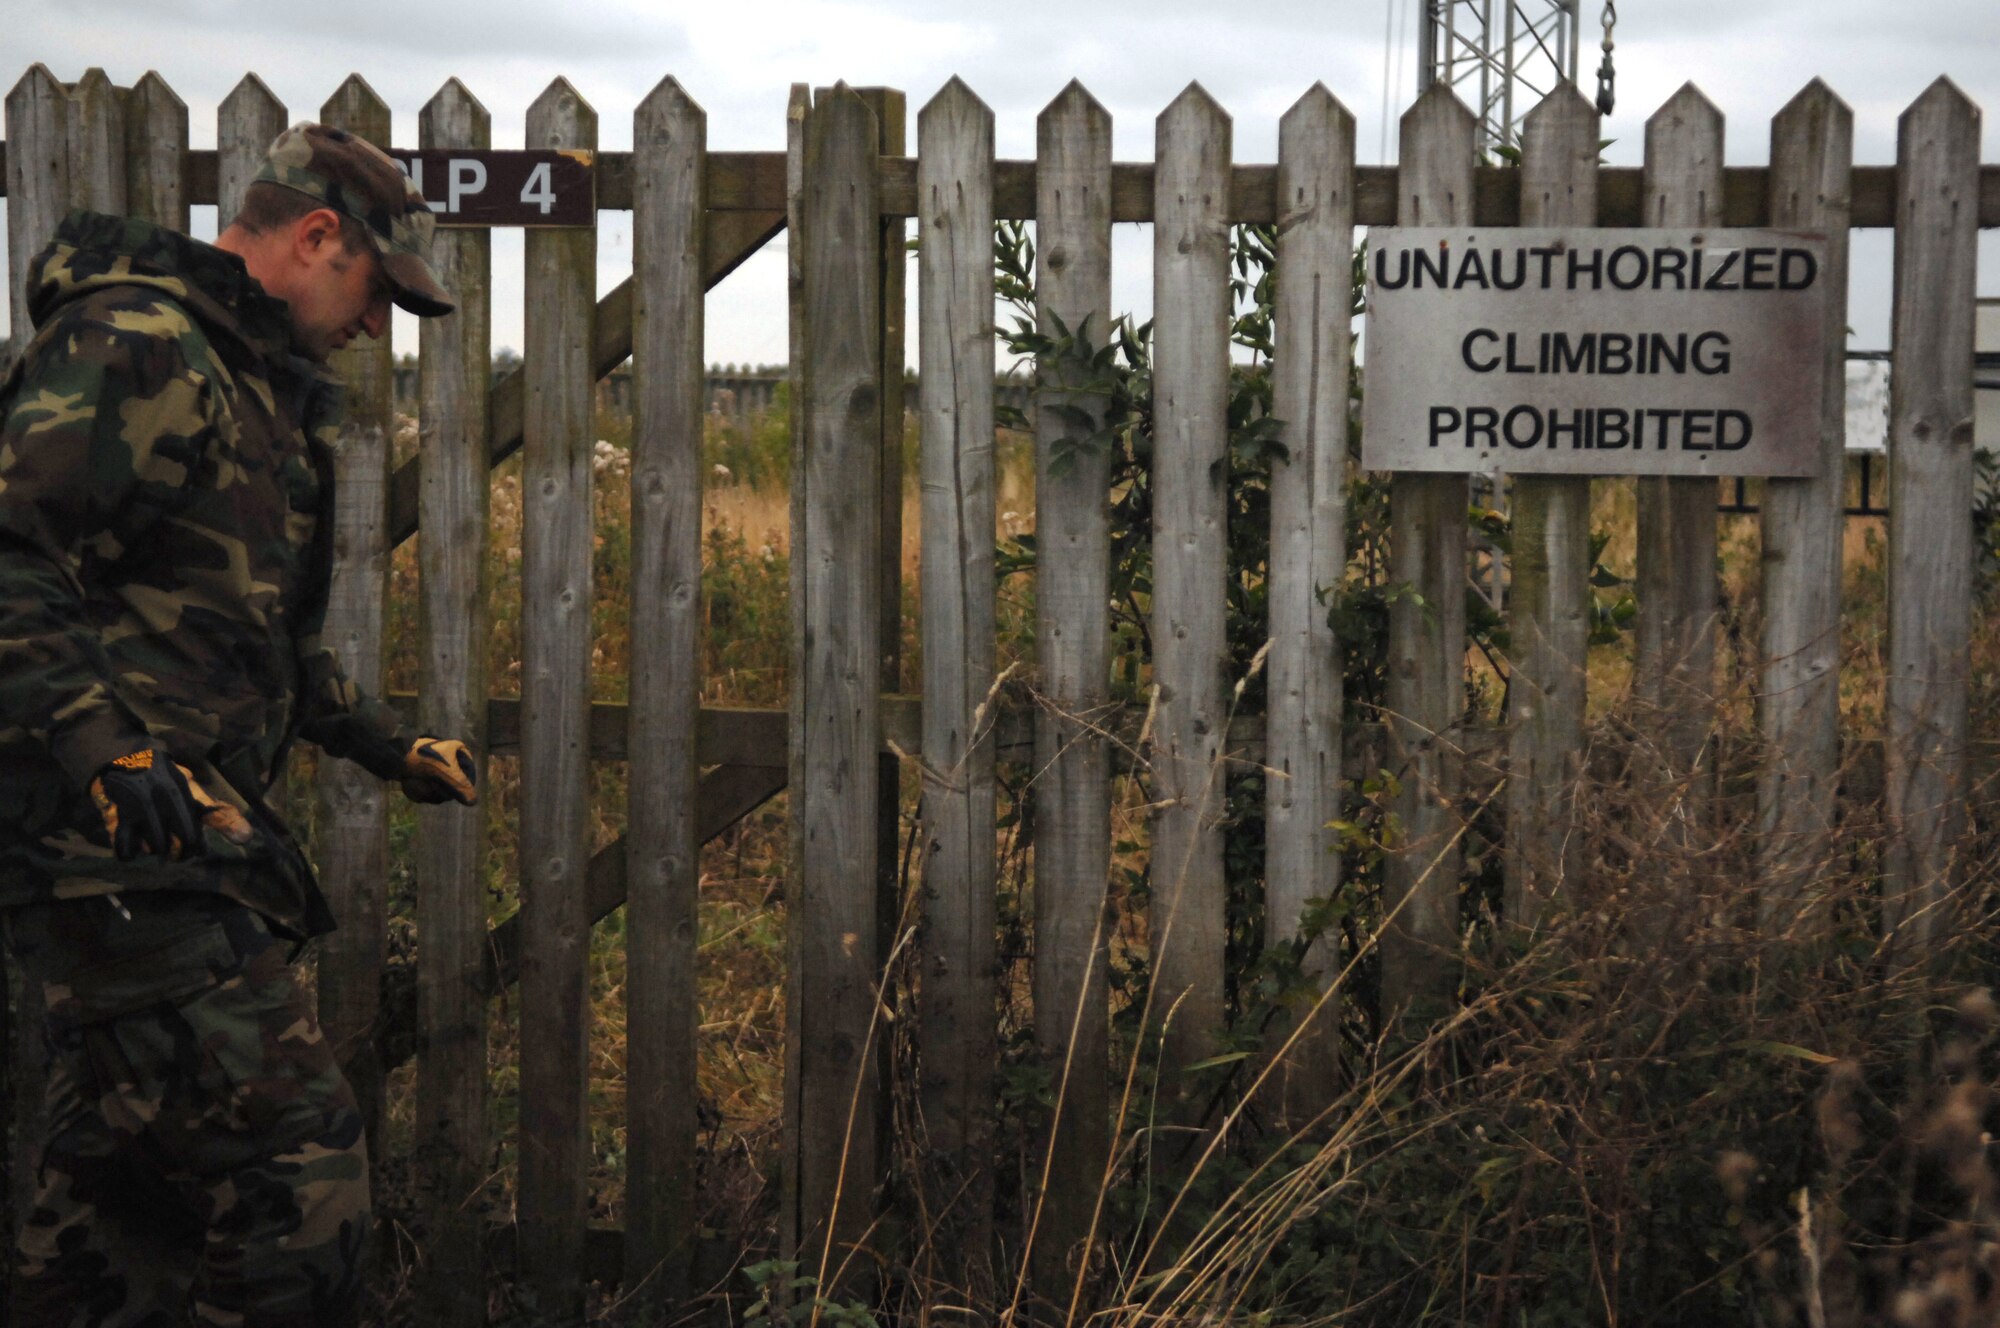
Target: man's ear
{"x": 314, "y": 231}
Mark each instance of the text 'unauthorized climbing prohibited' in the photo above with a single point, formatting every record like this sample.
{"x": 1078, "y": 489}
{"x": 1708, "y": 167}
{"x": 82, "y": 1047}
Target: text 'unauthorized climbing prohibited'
{"x": 1631, "y": 352}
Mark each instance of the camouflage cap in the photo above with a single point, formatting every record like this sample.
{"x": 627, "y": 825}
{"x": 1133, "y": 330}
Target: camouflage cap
{"x": 354, "y": 177}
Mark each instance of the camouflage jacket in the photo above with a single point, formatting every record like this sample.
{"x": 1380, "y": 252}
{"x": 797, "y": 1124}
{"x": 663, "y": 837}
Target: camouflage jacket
{"x": 165, "y": 550}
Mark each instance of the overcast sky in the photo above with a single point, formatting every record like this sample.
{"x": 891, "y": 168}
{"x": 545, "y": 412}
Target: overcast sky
{"x": 738, "y": 58}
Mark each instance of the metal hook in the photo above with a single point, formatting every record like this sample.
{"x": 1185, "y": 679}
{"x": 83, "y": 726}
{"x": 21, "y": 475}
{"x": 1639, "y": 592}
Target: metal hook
{"x": 1607, "y": 76}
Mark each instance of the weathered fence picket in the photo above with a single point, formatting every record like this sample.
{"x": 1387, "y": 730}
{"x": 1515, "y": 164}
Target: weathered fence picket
{"x": 1677, "y": 587}
{"x": 958, "y": 1049}
{"x": 556, "y": 528}
{"x": 669, "y": 146}
{"x": 1072, "y": 790}
{"x": 37, "y": 181}
{"x": 452, "y": 1149}
{"x": 249, "y": 118}
{"x": 1930, "y": 517}
{"x": 95, "y": 140}
{"x": 1309, "y": 394}
{"x": 1191, "y": 315}
{"x": 1426, "y": 684}
{"x": 830, "y": 1066}
{"x": 1549, "y": 607}
{"x": 353, "y": 846}
{"x": 1812, "y": 153}
{"x": 156, "y": 146}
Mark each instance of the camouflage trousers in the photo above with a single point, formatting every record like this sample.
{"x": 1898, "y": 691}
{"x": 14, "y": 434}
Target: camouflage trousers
{"x": 204, "y": 1157}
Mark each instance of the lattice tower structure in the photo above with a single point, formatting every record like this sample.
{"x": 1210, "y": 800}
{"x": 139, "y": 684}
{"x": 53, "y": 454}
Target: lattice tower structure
{"x": 1500, "y": 56}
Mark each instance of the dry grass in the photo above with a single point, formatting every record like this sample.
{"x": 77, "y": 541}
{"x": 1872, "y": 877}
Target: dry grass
{"x": 1646, "y": 1058}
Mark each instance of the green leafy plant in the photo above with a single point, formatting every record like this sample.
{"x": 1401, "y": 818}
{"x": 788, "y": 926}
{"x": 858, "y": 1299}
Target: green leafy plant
{"x": 785, "y": 1296}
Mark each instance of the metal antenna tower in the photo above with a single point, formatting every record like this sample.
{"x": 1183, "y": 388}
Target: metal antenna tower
{"x": 1500, "y": 56}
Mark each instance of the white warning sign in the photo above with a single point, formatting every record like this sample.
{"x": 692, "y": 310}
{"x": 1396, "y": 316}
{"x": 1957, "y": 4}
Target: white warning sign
{"x": 1602, "y": 352}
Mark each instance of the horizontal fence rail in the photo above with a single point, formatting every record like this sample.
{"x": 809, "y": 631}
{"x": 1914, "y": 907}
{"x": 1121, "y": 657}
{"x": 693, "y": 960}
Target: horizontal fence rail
{"x": 755, "y": 182}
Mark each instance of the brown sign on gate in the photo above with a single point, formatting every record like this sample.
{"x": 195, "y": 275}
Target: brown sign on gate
{"x": 483, "y": 187}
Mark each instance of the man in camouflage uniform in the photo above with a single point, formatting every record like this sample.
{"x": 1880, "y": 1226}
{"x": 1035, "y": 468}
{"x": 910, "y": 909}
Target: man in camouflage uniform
{"x": 165, "y": 549}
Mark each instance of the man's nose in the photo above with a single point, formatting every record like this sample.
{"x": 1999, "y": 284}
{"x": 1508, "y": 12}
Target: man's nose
{"x": 376, "y": 321}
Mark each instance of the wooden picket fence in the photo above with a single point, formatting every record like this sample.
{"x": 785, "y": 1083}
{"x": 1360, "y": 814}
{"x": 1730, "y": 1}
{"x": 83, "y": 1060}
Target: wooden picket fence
{"x": 845, "y": 187}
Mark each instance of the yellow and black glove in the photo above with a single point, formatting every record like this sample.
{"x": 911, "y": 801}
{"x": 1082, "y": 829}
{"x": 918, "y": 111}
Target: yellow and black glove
{"x": 440, "y": 770}
{"x": 151, "y": 805}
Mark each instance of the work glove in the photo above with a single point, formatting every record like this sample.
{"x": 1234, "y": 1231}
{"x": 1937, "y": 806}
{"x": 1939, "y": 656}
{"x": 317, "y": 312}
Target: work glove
{"x": 440, "y": 770}
{"x": 151, "y": 805}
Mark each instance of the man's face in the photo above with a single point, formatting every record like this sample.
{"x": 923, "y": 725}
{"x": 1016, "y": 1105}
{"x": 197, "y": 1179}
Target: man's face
{"x": 337, "y": 295}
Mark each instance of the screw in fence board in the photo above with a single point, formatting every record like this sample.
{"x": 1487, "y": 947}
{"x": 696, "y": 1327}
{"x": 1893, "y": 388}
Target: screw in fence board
{"x": 1678, "y": 588}
{"x": 832, "y": 988}
{"x": 1426, "y": 682}
{"x": 37, "y": 197}
{"x": 96, "y": 134}
{"x": 451, "y": 1149}
{"x": 1812, "y": 153}
{"x": 1308, "y": 556}
{"x": 561, "y": 268}
{"x": 156, "y": 149}
{"x": 1549, "y": 617}
{"x": 1072, "y": 789}
{"x": 353, "y": 840}
{"x": 958, "y": 1045}
{"x": 669, "y": 148}
{"x": 250, "y": 118}
{"x": 1930, "y": 519}
{"x": 1188, "y": 929}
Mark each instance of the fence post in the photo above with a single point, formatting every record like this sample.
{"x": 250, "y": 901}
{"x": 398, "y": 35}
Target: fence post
{"x": 156, "y": 146}
{"x": 1678, "y": 590}
{"x": 1308, "y": 556}
{"x": 247, "y": 123}
{"x": 96, "y": 135}
{"x": 1188, "y": 930}
{"x": 1812, "y": 153}
{"x": 1549, "y": 614}
{"x": 1930, "y": 515}
{"x": 37, "y": 182}
{"x": 1072, "y": 790}
{"x": 663, "y": 849}
{"x": 452, "y": 1151}
{"x": 352, "y": 846}
{"x": 1426, "y": 683}
{"x": 958, "y": 1050}
{"x": 555, "y": 731}
{"x": 832, "y": 983}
